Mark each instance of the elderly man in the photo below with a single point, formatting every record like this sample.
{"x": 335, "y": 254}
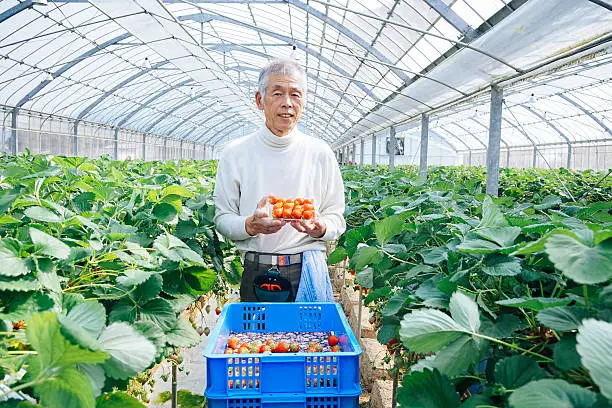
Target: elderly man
{"x": 284, "y": 260}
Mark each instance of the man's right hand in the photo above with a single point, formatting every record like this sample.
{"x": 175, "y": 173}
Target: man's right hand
{"x": 260, "y": 223}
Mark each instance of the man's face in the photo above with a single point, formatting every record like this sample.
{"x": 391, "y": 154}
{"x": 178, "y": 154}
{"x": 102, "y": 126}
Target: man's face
{"x": 282, "y": 104}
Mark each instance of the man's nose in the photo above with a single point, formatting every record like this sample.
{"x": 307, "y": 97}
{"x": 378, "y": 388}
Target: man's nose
{"x": 287, "y": 100}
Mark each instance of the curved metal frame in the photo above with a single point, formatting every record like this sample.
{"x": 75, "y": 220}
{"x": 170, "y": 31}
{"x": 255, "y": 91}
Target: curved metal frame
{"x": 69, "y": 65}
{"x": 117, "y": 87}
{"x": 148, "y": 102}
{"x": 209, "y": 17}
{"x": 556, "y": 129}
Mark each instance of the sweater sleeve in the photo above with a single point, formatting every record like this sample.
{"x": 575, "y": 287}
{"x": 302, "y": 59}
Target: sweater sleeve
{"x": 331, "y": 208}
{"x": 227, "y": 218}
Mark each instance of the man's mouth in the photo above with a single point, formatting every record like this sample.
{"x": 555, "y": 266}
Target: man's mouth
{"x": 286, "y": 115}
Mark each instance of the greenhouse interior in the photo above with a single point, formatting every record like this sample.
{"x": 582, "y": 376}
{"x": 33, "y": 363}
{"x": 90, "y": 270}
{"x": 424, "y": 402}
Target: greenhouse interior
{"x": 446, "y": 173}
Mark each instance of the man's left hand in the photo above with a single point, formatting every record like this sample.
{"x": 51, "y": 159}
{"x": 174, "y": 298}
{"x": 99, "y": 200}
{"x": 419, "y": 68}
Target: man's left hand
{"x": 315, "y": 228}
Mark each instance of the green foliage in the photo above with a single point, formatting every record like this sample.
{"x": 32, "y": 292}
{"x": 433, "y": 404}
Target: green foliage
{"x": 490, "y": 290}
{"x": 116, "y": 250}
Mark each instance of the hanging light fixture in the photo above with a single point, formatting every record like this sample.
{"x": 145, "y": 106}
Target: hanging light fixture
{"x": 48, "y": 76}
{"x": 293, "y": 54}
{"x": 147, "y": 63}
{"x": 532, "y": 98}
{"x": 192, "y": 92}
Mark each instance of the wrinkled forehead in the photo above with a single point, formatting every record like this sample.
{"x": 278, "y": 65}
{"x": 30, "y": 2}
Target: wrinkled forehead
{"x": 285, "y": 81}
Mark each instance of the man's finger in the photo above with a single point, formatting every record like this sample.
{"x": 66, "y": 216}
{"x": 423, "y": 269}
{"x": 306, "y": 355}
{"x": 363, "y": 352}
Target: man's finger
{"x": 262, "y": 203}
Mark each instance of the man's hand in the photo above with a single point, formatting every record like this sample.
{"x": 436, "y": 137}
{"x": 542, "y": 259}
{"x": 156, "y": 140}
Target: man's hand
{"x": 315, "y": 228}
{"x": 260, "y": 223}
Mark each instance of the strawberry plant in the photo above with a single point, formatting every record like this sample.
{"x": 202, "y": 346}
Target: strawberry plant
{"x": 486, "y": 301}
{"x": 97, "y": 260}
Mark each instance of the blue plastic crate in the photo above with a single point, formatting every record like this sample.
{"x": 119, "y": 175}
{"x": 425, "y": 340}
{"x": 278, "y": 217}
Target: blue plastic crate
{"x": 286, "y": 401}
{"x": 244, "y": 376}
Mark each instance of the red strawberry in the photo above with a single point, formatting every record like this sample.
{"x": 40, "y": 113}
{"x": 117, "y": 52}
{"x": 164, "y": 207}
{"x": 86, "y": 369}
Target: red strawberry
{"x": 281, "y": 347}
{"x": 264, "y": 348}
{"x": 336, "y": 348}
{"x": 294, "y": 347}
{"x": 244, "y": 350}
{"x": 232, "y": 343}
{"x": 218, "y": 311}
{"x": 229, "y": 351}
{"x": 333, "y": 340}
{"x": 392, "y": 345}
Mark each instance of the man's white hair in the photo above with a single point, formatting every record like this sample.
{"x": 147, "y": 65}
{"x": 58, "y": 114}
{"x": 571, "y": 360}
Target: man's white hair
{"x": 281, "y": 67}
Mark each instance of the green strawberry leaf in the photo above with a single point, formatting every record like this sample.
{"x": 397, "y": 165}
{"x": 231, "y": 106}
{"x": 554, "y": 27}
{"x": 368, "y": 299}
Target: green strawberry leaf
{"x": 552, "y": 393}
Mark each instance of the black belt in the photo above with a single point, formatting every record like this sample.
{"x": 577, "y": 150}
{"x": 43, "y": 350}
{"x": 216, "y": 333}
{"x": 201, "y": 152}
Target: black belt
{"x": 272, "y": 259}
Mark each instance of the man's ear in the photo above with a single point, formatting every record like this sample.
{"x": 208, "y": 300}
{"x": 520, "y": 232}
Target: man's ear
{"x": 259, "y": 100}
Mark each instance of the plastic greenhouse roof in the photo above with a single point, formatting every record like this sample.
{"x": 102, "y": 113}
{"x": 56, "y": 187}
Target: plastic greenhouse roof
{"x": 189, "y": 68}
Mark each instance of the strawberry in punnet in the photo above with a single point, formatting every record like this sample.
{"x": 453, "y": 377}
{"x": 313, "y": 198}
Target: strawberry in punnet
{"x": 245, "y": 345}
{"x": 311, "y": 349}
{"x": 281, "y": 347}
{"x": 319, "y": 348}
{"x": 294, "y": 347}
{"x": 229, "y": 350}
{"x": 232, "y": 343}
{"x": 333, "y": 340}
{"x": 312, "y": 344}
{"x": 244, "y": 350}
{"x": 336, "y": 348}
{"x": 218, "y": 311}
{"x": 264, "y": 348}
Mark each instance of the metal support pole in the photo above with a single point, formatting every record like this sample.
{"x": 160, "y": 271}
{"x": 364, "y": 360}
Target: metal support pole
{"x": 174, "y": 386}
{"x": 508, "y": 158}
{"x": 469, "y": 158}
{"x": 205, "y": 149}
{"x": 361, "y": 148}
{"x": 195, "y": 148}
{"x": 535, "y": 157}
{"x": 144, "y": 147}
{"x": 212, "y": 153}
{"x": 374, "y": 150}
{"x": 569, "y": 156}
{"x": 13, "y": 139}
{"x": 181, "y": 150}
{"x": 392, "y": 148}
{"x": 165, "y": 148}
{"x": 116, "y": 145}
{"x": 424, "y": 145}
{"x": 75, "y": 139}
{"x": 354, "y": 153}
{"x": 497, "y": 95}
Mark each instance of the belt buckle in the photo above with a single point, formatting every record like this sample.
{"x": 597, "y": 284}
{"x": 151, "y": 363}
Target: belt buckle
{"x": 284, "y": 260}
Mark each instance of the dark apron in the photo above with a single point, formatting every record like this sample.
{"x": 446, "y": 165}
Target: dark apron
{"x": 269, "y": 283}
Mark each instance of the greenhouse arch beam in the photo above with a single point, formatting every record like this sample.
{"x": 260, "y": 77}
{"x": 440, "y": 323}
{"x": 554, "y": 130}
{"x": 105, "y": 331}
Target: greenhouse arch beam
{"x": 117, "y": 87}
{"x": 245, "y": 49}
{"x": 486, "y": 129}
{"x": 454, "y": 137}
{"x": 339, "y": 27}
{"x": 556, "y": 129}
{"x": 452, "y": 18}
{"x": 69, "y": 65}
{"x": 18, "y": 8}
{"x": 587, "y": 112}
{"x": 193, "y": 115}
{"x": 208, "y": 17}
{"x": 424, "y": 32}
{"x": 224, "y": 132}
{"x": 148, "y": 102}
{"x": 467, "y": 131}
{"x": 172, "y": 110}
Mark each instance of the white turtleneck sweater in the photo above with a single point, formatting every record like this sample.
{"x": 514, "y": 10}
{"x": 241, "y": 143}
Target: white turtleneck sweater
{"x": 290, "y": 166}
